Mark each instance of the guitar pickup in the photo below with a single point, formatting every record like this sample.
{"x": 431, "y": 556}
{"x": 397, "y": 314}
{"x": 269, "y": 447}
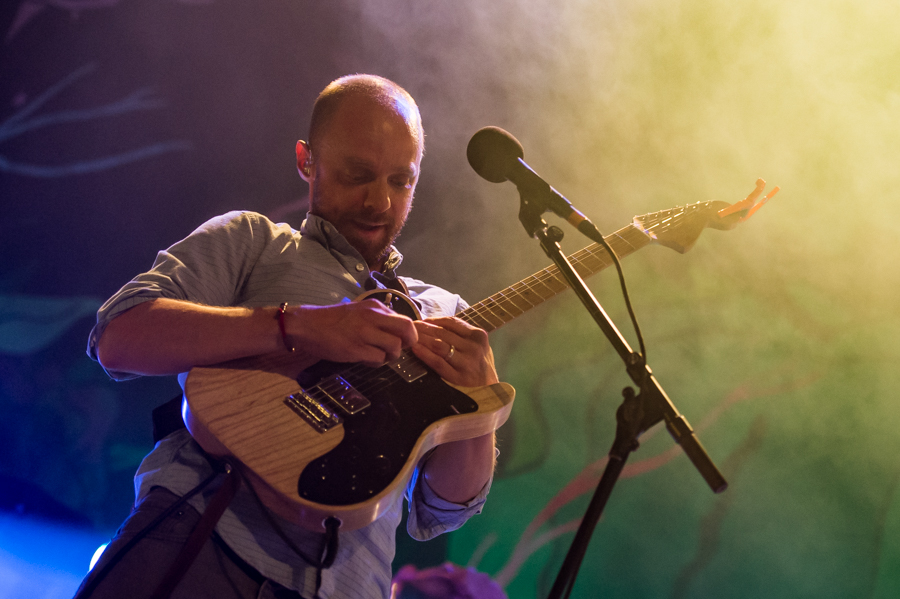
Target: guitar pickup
{"x": 408, "y": 366}
{"x": 342, "y": 393}
{"x": 312, "y": 412}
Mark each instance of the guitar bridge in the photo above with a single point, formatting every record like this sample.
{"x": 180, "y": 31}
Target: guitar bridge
{"x": 317, "y": 404}
{"x": 312, "y": 412}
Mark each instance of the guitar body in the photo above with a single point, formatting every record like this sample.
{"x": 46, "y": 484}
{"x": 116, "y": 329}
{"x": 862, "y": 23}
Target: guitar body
{"x": 257, "y": 410}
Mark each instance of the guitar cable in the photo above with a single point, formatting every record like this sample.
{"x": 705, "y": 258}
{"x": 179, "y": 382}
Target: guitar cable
{"x": 329, "y": 545}
{"x": 102, "y": 573}
{"x": 625, "y": 295}
{"x": 329, "y": 542}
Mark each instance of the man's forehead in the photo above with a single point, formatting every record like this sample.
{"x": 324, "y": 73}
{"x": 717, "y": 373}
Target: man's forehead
{"x": 357, "y": 161}
{"x": 360, "y": 129}
{"x": 359, "y": 113}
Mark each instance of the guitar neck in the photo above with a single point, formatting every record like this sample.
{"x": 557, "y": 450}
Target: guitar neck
{"x": 492, "y": 313}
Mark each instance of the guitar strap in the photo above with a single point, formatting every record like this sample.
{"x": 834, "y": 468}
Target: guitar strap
{"x": 200, "y": 534}
{"x": 166, "y": 420}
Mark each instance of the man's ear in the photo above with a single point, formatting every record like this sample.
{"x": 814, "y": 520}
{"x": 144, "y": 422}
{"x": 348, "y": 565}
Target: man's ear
{"x": 304, "y": 160}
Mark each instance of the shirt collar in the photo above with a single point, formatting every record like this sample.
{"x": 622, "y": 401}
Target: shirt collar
{"x": 322, "y": 231}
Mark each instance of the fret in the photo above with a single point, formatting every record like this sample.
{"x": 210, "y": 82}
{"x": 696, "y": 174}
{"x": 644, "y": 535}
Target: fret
{"x": 519, "y": 292}
{"x": 552, "y": 284}
{"x": 596, "y": 262}
{"x": 496, "y": 305}
{"x": 508, "y": 304}
{"x": 487, "y": 312}
{"x": 473, "y": 317}
{"x": 591, "y": 261}
{"x": 536, "y": 287}
{"x": 620, "y": 245}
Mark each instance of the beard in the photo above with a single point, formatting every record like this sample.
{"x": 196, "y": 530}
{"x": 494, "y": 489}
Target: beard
{"x": 371, "y": 234}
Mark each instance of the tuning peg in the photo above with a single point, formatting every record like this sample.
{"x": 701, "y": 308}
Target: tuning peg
{"x": 747, "y": 204}
{"x": 761, "y": 203}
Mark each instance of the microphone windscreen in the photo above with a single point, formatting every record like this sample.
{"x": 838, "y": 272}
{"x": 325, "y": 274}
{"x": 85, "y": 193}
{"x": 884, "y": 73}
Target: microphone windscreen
{"x": 492, "y": 152}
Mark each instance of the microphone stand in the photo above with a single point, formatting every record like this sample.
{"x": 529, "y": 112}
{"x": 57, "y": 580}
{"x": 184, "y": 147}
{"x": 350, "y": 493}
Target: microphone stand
{"x": 637, "y": 413}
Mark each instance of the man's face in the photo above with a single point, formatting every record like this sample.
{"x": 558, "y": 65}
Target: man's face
{"x": 366, "y": 170}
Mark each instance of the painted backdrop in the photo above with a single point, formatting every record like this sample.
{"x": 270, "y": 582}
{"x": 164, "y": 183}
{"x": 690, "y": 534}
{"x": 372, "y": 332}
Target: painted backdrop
{"x": 125, "y": 124}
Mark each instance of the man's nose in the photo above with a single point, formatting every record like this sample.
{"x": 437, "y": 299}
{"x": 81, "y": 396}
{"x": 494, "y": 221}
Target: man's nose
{"x": 378, "y": 198}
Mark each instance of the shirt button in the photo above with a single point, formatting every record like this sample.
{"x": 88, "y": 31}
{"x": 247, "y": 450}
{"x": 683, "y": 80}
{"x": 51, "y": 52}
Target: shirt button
{"x": 360, "y": 267}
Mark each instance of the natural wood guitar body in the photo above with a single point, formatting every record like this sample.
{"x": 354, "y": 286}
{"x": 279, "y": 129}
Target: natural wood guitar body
{"x": 237, "y": 409}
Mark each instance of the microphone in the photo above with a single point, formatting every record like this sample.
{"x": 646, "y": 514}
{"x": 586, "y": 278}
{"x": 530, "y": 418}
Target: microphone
{"x": 498, "y": 156}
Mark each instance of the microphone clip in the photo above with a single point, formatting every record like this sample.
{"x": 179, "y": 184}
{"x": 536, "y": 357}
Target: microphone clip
{"x": 531, "y": 209}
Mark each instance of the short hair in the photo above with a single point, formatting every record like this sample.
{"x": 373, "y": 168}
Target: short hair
{"x": 382, "y": 91}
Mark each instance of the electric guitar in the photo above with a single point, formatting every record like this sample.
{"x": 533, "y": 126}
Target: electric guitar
{"x": 318, "y": 439}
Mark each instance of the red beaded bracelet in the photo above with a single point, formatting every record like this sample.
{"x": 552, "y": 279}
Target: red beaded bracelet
{"x": 287, "y": 344}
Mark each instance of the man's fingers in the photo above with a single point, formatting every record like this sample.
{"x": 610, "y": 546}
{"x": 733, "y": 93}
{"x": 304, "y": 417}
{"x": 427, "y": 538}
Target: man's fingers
{"x": 458, "y": 351}
{"x": 436, "y": 361}
{"x": 392, "y": 323}
{"x": 389, "y": 344}
{"x": 365, "y": 331}
{"x": 402, "y": 328}
{"x": 461, "y": 335}
{"x": 439, "y": 346}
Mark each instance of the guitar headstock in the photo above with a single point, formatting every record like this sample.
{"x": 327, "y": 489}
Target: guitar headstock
{"x": 679, "y": 228}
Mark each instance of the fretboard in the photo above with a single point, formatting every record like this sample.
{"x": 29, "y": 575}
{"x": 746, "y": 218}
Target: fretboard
{"x": 494, "y": 312}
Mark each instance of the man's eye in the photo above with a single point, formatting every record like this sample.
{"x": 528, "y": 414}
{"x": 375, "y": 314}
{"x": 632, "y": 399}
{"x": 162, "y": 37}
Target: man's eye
{"x": 358, "y": 177}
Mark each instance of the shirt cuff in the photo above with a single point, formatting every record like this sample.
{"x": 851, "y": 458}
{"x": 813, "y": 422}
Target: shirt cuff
{"x": 431, "y": 515}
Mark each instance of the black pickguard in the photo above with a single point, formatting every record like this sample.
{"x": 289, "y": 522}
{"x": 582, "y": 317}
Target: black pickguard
{"x": 378, "y": 440}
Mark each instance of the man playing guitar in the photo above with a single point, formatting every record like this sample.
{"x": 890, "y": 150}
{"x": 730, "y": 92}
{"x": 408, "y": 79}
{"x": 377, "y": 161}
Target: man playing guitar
{"x": 242, "y": 286}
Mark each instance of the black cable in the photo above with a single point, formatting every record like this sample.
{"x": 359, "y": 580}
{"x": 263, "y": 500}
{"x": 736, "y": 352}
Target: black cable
{"x": 102, "y": 573}
{"x": 330, "y": 544}
{"x": 329, "y": 541}
{"x": 625, "y": 295}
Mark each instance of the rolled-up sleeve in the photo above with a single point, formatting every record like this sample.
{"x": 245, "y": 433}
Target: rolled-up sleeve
{"x": 207, "y": 267}
{"x": 430, "y": 515}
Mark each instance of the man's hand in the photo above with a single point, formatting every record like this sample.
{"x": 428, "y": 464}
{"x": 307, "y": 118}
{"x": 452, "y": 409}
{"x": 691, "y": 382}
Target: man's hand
{"x": 366, "y": 331}
{"x": 461, "y": 354}
{"x": 456, "y": 350}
